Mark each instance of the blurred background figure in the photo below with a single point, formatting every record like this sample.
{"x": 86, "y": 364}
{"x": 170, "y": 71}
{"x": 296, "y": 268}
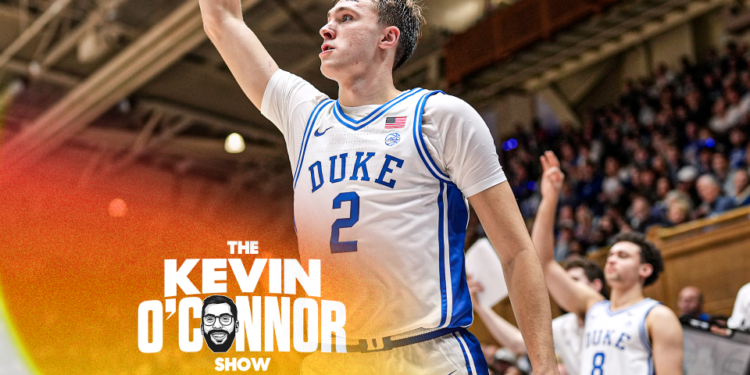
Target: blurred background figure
{"x": 690, "y": 303}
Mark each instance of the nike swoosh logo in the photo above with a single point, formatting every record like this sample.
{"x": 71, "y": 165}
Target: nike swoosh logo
{"x": 317, "y": 134}
{"x": 454, "y": 371}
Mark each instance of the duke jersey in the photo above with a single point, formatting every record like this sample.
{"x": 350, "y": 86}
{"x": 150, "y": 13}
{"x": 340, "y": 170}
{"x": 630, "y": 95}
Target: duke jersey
{"x": 386, "y": 222}
{"x": 617, "y": 342}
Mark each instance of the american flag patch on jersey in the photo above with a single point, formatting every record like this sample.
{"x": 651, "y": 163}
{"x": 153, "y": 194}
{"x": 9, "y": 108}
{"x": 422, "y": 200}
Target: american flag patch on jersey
{"x": 395, "y": 122}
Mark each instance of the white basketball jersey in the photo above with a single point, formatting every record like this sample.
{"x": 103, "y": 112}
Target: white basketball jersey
{"x": 386, "y": 222}
{"x": 617, "y": 343}
{"x": 567, "y": 335}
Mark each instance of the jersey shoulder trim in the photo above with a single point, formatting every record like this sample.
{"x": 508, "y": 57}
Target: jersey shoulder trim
{"x": 424, "y": 153}
{"x": 642, "y": 329}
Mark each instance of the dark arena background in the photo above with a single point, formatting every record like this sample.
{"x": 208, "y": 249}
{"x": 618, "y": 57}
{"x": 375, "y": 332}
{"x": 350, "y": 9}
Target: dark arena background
{"x": 125, "y": 141}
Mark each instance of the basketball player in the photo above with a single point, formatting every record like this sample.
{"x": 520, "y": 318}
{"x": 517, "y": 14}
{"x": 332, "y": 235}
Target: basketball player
{"x": 380, "y": 178}
{"x": 567, "y": 330}
{"x": 629, "y": 334}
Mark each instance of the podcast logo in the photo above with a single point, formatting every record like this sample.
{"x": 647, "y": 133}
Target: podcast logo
{"x": 219, "y": 323}
{"x": 269, "y": 316}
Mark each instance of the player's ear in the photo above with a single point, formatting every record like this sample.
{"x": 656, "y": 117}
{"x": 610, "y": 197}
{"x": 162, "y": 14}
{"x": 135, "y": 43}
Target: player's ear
{"x": 645, "y": 270}
{"x": 391, "y": 35}
{"x": 598, "y": 285}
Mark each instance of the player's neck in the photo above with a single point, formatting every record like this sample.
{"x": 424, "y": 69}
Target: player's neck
{"x": 376, "y": 88}
{"x": 624, "y": 297}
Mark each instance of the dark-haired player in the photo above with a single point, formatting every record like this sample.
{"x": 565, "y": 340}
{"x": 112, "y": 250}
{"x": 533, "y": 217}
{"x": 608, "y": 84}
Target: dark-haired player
{"x": 629, "y": 334}
{"x": 380, "y": 180}
{"x": 567, "y": 330}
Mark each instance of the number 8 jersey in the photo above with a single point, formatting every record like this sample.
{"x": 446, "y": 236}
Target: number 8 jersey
{"x": 617, "y": 342}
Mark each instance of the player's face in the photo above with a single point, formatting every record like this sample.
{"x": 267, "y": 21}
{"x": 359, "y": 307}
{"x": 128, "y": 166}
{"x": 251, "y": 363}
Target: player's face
{"x": 350, "y": 39}
{"x": 218, "y": 332}
{"x": 624, "y": 266}
{"x": 580, "y": 277}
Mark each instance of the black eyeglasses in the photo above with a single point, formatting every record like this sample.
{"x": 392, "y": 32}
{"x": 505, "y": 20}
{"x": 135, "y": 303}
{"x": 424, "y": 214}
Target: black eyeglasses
{"x": 224, "y": 319}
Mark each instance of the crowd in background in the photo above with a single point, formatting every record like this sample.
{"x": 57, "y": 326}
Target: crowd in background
{"x": 673, "y": 149}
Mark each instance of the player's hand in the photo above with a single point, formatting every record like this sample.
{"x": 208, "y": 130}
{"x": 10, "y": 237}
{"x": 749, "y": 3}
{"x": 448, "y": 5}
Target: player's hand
{"x": 552, "y": 176}
{"x": 474, "y": 288}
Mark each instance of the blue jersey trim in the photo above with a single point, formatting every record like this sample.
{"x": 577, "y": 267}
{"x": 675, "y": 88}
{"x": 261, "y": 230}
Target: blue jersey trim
{"x": 308, "y": 130}
{"x": 458, "y": 219}
{"x": 466, "y": 357}
{"x": 643, "y": 332}
{"x": 424, "y": 154}
{"x": 358, "y": 124}
{"x": 475, "y": 352}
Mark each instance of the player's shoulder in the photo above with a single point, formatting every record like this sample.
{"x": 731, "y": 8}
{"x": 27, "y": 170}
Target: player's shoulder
{"x": 444, "y": 104}
{"x": 660, "y": 314}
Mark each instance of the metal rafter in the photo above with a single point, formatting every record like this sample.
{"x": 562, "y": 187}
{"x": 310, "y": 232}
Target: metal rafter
{"x": 32, "y": 31}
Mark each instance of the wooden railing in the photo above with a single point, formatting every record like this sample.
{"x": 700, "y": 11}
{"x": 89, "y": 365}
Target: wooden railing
{"x": 712, "y": 254}
{"x": 511, "y": 29}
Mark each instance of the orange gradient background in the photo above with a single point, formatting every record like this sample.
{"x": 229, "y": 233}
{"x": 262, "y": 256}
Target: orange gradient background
{"x": 72, "y": 276}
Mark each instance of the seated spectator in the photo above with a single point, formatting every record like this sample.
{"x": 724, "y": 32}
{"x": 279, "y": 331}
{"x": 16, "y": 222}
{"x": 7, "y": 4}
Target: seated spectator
{"x": 639, "y": 215}
{"x": 720, "y": 170}
{"x": 738, "y": 153}
{"x": 690, "y": 303}
{"x": 713, "y": 202}
{"x": 741, "y": 194}
{"x": 679, "y": 212}
{"x": 740, "y": 319}
{"x": 724, "y": 118}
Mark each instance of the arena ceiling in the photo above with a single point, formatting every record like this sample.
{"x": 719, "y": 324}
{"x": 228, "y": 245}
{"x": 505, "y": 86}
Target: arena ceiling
{"x": 138, "y": 80}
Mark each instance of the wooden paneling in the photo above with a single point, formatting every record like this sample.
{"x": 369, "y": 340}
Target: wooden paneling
{"x": 518, "y": 26}
{"x": 511, "y": 29}
{"x": 470, "y": 51}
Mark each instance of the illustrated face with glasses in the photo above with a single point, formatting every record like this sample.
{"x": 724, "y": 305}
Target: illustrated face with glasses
{"x": 219, "y": 323}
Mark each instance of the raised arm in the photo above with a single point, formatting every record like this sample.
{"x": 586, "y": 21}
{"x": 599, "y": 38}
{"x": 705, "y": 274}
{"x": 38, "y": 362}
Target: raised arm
{"x": 666, "y": 337}
{"x": 498, "y": 211}
{"x": 245, "y": 56}
{"x": 505, "y": 333}
{"x": 570, "y": 295}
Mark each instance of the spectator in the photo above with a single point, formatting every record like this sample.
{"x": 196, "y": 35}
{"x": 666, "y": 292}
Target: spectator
{"x": 738, "y": 153}
{"x": 720, "y": 170}
{"x": 690, "y": 303}
{"x": 679, "y": 212}
{"x": 639, "y": 215}
{"x": 741, "y": 194}
{"x": 710, "y": 193}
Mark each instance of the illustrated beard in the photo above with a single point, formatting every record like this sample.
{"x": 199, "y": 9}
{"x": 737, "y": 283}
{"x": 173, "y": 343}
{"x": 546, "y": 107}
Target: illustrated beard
{"x": 219, "y": 348}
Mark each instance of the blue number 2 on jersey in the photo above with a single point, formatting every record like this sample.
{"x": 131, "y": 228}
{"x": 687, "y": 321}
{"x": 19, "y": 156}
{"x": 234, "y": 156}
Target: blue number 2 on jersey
{"x": 348, "y": 246}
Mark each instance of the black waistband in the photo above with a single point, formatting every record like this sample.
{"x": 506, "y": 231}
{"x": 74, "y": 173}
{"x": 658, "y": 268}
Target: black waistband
{"x": 372, "y": 345}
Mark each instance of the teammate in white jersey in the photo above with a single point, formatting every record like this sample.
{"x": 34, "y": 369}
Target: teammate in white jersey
{"x": 629, "y": 334}
{"x": 380, "y": 178}
{"x": 567, "y": 330}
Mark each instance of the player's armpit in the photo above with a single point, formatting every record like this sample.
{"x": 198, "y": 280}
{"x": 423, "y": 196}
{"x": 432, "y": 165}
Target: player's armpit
{"x": 665, "y": 332}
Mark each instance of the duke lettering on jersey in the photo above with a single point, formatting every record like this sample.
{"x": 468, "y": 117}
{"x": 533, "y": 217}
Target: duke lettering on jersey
{"x": 617, "y": 342}
{"x": 338, "y": 170}
{"x": 609, "y": 337}
{"x": 387, "y": 223}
